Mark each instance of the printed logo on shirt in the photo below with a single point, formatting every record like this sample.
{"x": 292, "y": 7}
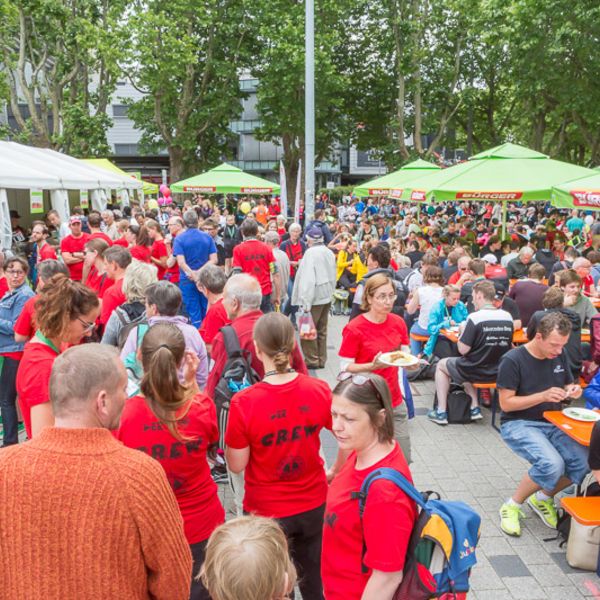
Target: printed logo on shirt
{"x": 283, "y": 436}
{"x": 174, "y": 450}
{"x": 558, "y": 369}
{"x": 280, "y": 414}
{"x": 290, "y": 468}
{"x": 330, "y": 519}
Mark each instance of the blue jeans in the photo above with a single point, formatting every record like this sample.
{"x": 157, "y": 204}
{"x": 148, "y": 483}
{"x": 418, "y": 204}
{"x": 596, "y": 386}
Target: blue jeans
{"x": 551, "y": 453}
{"x": 417, "y": 347}
{"x": 8, "y": 401}
{"x": 194, "y": 300}
{"x": 290, "y": 310}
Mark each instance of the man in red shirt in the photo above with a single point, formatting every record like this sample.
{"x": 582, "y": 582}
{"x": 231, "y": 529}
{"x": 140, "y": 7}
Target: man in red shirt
{"x": 241, "y": 299}
{"x": 256, "y": 258}
{"x": 583, "y": 268}
{"x": 116, "y": 260}
{"x": 95, "y": 223}
{"x": 72, "y": 248}
{"x": 211, "y": 281}
{"x": 39, "y": 234}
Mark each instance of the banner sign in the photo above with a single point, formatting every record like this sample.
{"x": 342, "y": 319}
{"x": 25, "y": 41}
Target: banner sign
{"x": 396, "y": 193}
{"x": 584, "y": 198}
{"x": 489, "y": 195}
{"x": 84, "y": 199}
{"x": 256, "y": 190}
{"x": 418, "y": 196}
{"x": 200, "y": 189}
{"x": 36, "y": 201}
{"x": 379, "y": 192}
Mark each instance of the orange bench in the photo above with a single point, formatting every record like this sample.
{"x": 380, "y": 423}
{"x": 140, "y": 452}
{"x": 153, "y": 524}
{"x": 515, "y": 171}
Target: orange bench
{"x": 494, "y": 393}
{"x": 582, "y": 383}
{"x": 584, "y": 509}
{"x": 419, "y": 338}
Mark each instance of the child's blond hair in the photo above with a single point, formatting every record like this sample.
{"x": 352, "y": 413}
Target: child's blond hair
{"x": 246, "y": 559}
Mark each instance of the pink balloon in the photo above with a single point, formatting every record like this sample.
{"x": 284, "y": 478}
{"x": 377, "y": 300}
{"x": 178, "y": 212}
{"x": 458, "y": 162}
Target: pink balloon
{"x": 162, "y": 189}
{"x": 167, "y": 192}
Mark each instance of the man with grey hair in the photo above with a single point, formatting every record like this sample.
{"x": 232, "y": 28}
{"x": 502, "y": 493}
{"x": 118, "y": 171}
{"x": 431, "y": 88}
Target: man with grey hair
{"x": 313, "y": 289}
{"x": 110, "y": 227}
{"x": 193, "y": 249}
{"x": 294, "y": 247}
{"x": 583, "y": 267}
{"x": 283, "y": 267}
{"x": 518, "y": 268}
{"x": 117, "y": 502}
{"x": 242, "y": 297}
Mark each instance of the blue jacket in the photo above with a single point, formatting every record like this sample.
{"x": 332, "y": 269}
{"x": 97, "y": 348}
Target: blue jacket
{"x": 592, "y": 392}
{"x": 438, "y": 319}
{"x": 10, "y": 309}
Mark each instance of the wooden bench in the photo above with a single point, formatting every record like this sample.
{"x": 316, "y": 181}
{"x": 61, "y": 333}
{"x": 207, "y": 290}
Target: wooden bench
{"x": 585, "y": 510}
{"x": 419, "y": 338}
{"x": 494, "y": 393}
{"x": 582, "y": 383}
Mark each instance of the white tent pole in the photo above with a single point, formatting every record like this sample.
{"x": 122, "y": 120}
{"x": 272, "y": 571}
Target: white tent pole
{"x": 5, "y": 227}
{"x": 60, "y": 203}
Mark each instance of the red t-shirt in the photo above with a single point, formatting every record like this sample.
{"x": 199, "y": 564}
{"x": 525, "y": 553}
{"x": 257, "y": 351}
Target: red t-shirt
{"x": 33, "y": 379}
{"x": 255, "y": 258}
{"x": 216, "y": 317}
{"x": 97, "y": 282}
{"x": 281, "y": 425}
{"x": 3, "y": 287}
{"x": 453, "y": 279}
{"x": 102, "y": 236}
{"x": 387, "y": 524}
{"x": 113, "y": 297}
{"x": 587, "y": 284}
{"x": 244, "y": 326}
{"x": 158, "y": 250}
{"x": 184, "y": 461}
{"x": 141, "y": 253}
{"x": 121, "y": 242}
{"x": 495, "y": 272}
{"x": 72, "y": 244}
{"x": 46, "y": 252}
{"x": 25, "y": 323}
{"x": 362, "y": 340}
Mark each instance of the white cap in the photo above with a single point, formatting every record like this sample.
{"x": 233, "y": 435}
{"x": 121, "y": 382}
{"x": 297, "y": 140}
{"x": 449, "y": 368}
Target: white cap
{"x": 490, "y": 258}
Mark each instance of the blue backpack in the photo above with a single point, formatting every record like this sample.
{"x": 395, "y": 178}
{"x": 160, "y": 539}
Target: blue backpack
{"x": 441, "y": 550}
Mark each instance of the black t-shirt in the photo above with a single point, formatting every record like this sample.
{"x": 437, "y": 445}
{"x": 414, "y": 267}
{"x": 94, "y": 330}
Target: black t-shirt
{"x": 594, "y": 459}
{"x": 527, "y": 375}
{"x": 489, "y": 334}
{"x": 415, "y": 256}
{"x": 572, "y": 349}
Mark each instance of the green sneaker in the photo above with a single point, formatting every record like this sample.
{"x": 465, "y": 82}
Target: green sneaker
{"x": 545, "y": 510}
{"x": 510, "y": 516}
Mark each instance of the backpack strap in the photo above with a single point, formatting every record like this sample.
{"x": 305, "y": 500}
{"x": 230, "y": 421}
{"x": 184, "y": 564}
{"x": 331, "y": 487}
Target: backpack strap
{"x": 232, "y": 342}
{"x": 121, "y": 316}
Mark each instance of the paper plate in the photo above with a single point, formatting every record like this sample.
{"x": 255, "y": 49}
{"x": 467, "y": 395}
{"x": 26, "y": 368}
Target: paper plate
{"x": 406, "y": 360}
{"x": 581, "y": 414}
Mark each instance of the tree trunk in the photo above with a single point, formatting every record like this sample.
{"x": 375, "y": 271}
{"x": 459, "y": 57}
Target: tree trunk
{"x": 175, "y": 163}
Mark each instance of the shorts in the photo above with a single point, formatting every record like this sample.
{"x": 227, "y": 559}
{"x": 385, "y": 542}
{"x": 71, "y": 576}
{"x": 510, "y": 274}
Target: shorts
{"x": 454, "y": 372}
{"x": 551, "y": 453}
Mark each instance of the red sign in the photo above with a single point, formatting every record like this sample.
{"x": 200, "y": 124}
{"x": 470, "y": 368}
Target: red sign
{"x": 199, "y": 188}
{"x": 586, "y": 198}
{"x": 256, "y": 190}
{"x": 379, "y": 192}
{"x": 418, "y": 196}
{"x": 488, "y": 195}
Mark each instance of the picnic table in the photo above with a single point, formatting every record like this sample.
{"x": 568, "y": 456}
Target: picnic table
{"x": 580, "y": 431}
{"x": 519, "y": 336}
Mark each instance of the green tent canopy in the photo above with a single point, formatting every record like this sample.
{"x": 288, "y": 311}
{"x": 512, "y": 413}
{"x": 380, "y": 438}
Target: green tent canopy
{"x": 393, "y": 184}
{"x": 104, "y": 163}
{"x": 225, "y": 179}
{"x": 582, "y": 193}
{"x": 506, "y": 173}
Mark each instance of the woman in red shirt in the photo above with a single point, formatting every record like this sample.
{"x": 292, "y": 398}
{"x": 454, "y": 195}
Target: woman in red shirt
{"x": 273, "y": 433}
{"x": 94, "y": 273}
{"x": 65, "y": 313}
{"x": 177, "y": 425}
{"x": 158, "y": 251}
{"x": 140, "y": 242}
{"x": 363, "y": 424}
{"x": 368, "y": 335}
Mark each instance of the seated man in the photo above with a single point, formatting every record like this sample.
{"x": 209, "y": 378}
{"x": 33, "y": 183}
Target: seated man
{"x": 532, "y": 379}
{"x": 485, "y": 337}
{"x": 519, "y": 267}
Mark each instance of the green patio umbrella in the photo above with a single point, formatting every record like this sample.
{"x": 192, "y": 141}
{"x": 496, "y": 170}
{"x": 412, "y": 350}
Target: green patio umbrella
{"x": 225, "y": 179}
{"x": 506, "y": 173}
{"x": 393, "y": 184}
{"x": 582, "y": 193}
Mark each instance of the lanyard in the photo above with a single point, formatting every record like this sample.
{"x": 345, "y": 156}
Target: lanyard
{"x": 40, "y": 336}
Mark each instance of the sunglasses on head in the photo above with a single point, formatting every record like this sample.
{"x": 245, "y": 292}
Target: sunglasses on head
{"x": 360, "y": 380}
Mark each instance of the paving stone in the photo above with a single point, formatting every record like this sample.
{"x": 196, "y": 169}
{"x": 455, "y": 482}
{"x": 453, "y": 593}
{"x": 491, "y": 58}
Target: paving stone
{"x": 485, "y": 578}
{"x": 532, "y": 554}
{"x": 509, "y": 565}
{"x": 524, "y": 588}
{"x": 562, "y": 593}
{"x": 496, "y": 547}
{"x": 493, "y": 595}
{"x": 560, "y": 558}
{"x": 550, "y": 575}
{"x": 587, "y": 584}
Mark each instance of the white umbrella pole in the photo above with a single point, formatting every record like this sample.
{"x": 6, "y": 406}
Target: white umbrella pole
{"x": 5, "y": 227}
{"x": 504, "y": 207}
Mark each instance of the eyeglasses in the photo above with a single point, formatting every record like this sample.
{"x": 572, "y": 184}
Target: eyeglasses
{"x": 87, "y": 326}
{"x": 358, "y": 379}
{"x": 385, "y": 298}
{"x": 14, "y": 273}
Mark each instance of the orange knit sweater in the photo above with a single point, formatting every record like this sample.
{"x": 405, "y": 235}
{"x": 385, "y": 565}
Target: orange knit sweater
{"x": 83, "y": 517}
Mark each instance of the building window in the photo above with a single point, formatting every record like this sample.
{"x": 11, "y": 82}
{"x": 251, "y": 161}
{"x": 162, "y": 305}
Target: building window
{"x": 126, "y": 150}
{"x": 120, "y": 110}
{"x": 245, "y": 126}
{"x": 248, "y": 85}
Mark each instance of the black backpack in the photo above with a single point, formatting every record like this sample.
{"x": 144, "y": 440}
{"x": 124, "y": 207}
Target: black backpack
{"x": 459, "y": 404}
{"x": 237, "y": 375}
{"x": 128, "y": 324}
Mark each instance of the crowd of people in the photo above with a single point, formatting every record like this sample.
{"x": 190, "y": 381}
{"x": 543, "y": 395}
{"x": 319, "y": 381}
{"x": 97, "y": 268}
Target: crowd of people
{"x": 151, "y": 353}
